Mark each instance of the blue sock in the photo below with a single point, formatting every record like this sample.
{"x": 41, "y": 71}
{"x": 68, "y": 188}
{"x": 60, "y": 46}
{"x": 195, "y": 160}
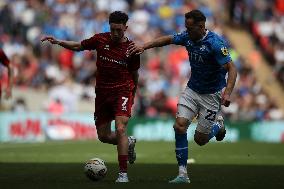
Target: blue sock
{"x": 214, "y": 130}
{"x": 181, "y": 149}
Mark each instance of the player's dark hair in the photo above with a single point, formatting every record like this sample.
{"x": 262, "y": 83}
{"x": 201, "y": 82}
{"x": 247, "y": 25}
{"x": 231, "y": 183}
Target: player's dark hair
{"x": 118, "y": 17}
{"x": 196, "y": 15}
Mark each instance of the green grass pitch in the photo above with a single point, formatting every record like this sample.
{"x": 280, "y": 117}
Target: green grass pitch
{"x": 218, "y": 165}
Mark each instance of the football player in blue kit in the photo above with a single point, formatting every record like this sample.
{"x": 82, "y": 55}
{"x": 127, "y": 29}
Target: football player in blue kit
{"x": 207, "y": 88}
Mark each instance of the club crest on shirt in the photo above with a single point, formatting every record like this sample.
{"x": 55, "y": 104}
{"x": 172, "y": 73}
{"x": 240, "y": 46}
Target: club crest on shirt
{"x": 106, "y": 47}
{"x": 188, "y": 43}
{"x": 225, "y": 51}
{"x": 202, "y": 48}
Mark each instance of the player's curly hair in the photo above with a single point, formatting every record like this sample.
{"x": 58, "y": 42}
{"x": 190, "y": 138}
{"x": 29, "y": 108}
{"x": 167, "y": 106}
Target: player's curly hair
{"x": 196, "y": 15}
{"x": 118, "y": 17}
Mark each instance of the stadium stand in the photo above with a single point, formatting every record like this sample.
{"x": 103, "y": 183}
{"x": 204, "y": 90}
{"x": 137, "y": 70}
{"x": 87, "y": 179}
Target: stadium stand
{"x": 265, "y": 21}
{"x": 52, "y": 72}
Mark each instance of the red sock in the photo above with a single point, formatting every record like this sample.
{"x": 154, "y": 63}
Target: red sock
{"x": 122, "y": 160}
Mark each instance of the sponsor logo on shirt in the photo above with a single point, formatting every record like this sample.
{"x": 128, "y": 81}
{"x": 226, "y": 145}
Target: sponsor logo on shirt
{"x": 115, "y": 61}
{"x": 196, "y": 57}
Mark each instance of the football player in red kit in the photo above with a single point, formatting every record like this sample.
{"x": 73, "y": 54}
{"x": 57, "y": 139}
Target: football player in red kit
{"x": 116, "y": 82}
{"x": 5, "y": 61}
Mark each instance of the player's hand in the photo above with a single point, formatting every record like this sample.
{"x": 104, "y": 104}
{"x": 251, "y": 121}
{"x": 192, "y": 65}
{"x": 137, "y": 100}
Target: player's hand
{"x": 50, "y": 39}
{"x": 135, "y": 49}
{"x": 226, "y": 100}
{"x": 8, "y": 93}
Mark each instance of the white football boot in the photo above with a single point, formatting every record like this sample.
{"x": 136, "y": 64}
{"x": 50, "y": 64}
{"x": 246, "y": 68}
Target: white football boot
{"x": 222, "y": 132}
{"x": 122, "y": 177}
{"x": 131, "y": 149}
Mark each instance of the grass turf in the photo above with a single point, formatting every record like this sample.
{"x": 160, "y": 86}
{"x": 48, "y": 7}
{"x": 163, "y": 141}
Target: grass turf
{"x": 218, "y": 165}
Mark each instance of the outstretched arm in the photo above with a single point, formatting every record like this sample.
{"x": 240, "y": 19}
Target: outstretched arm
{"x": 71, "y": 45}
{"x": 231, "y": 80}
{"x": 159, "y": 42}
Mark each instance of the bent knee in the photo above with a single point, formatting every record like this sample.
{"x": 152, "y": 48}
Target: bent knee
{"x": 201, "y": 139}
{"x": 121, "y": 125}
{"x": 103, "y": 138}
{"x": 200, "y": 142}
{"x": 180, "y": 128}
{"x": 121, "y": 130}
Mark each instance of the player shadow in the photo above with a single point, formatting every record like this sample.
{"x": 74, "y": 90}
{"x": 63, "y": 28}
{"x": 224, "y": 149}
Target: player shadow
{"x": 71, "y": 175}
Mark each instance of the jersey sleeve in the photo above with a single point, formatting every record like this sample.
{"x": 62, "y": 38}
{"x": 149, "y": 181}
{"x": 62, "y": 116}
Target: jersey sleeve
{"x": 134, "y": 63}
{"x": 3, "y": 58}
{"x": 91, "y": 43}
{"x": 180, "y": 38}
{"x": 221, "y": 52}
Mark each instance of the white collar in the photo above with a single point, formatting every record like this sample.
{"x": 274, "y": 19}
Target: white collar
{"x": 207, "y": 31}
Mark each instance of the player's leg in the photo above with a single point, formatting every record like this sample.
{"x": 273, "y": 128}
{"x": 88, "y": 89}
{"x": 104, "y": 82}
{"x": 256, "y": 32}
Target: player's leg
{"x": 123, "y": 104}
{"x": 208, "y": 124}
{"x": 217, "y": 128}
{"x": 103, "y": 116}
{"x": 208, "y": 129}
{"x": 187, "y": 109}
{"x": 105, "y": 134}
{"x": 200, "y": 138}
{"x": 103, "y": 120}
{"x": 181, "y": 144}
{"x": 204, "y": 131}
{"x": 122, "y": 146}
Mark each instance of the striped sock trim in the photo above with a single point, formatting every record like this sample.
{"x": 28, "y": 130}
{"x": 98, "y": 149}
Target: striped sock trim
{"x": 181, "y": 148}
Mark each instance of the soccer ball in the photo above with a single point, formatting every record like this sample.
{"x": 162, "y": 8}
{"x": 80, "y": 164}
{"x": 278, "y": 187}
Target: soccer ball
{"x": 95, "y": 169}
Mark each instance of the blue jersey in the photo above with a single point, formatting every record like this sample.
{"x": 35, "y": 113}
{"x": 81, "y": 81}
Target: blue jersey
{"x": 207, "y": 57}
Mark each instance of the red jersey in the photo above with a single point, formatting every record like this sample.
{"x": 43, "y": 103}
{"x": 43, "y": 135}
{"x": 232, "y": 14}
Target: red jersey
{"x": 114, "y": 66}
{"x": 3, "y": 58}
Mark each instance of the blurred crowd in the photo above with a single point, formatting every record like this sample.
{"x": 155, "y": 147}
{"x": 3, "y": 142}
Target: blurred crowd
{"x": 265, "y": 19}
{"x": 70, "y": 76}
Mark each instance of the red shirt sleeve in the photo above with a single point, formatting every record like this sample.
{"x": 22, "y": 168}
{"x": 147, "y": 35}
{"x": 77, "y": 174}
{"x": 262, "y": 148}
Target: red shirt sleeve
{"x": 3, "y": 58}
{"x": 91, "y": 43}
{"x": 134, "y": 63}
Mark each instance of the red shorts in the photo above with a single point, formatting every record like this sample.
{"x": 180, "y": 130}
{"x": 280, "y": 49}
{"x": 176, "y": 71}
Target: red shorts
{"x": 109, "y": 104}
